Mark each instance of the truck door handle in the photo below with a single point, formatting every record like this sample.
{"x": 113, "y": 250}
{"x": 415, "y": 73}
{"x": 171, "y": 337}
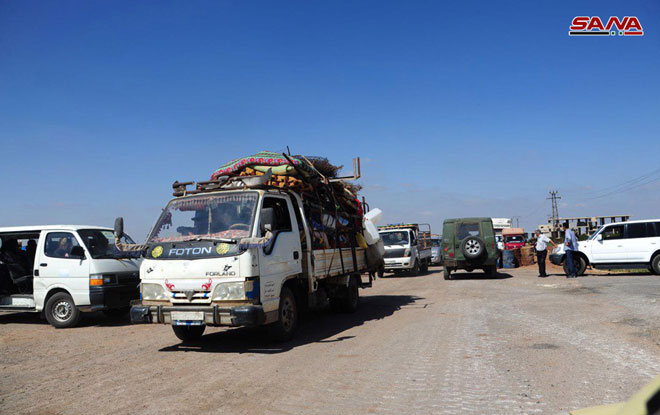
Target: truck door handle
{"x": 295, "y": 254}
{"x": 43, "y": 265}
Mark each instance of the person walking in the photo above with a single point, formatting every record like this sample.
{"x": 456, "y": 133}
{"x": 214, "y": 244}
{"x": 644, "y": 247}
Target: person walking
{"x": 570, "y": 246}
{"x": 542, "y": 242}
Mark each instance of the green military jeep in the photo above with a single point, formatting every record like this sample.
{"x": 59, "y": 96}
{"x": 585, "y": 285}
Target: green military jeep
{"x": 469, "y": 244}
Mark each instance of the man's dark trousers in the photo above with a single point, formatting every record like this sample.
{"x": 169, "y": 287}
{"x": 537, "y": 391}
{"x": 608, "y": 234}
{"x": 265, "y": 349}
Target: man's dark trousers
{"x": 540, "y": 256}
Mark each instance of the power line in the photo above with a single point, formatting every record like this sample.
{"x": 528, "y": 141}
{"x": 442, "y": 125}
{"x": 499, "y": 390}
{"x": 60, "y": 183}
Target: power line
{"x": 554, "y": 196}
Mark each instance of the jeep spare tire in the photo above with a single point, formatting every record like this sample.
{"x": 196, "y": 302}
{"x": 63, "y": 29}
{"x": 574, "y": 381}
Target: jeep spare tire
{"x": 473, "y": 247}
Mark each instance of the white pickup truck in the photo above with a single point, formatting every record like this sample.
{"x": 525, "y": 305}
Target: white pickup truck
{"x": 244, "y": 257}
{"x": 407, "y": 248}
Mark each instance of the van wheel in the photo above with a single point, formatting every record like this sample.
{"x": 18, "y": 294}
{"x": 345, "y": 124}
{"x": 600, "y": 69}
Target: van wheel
{"x": 188, "y": 333}
{"x": 287, "y": 322}
{"x": 655, "y": 264}
{"x": 446, "y": 273}
{"x": 61, "y": 312}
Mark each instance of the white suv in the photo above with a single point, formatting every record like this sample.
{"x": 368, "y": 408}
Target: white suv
{"x": 623, "y": 245}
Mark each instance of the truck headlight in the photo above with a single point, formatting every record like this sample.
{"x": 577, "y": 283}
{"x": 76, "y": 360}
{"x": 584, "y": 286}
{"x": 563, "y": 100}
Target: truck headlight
{"x": 229, "y": 291}
{"x": 153, "y": 292}
{"x": 406, "y": 252}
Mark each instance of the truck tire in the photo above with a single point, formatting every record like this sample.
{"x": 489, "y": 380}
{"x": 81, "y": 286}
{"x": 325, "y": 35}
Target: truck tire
{"x": 580, "y": 266}
{"x": 473, "y": 247}
{"x": 446, "y": 272}
{"x": 287, "y": 322}
{"x": 655, "y": 264}
{"x": 188, "y": 333}
{"x": 61, "y": 312}
{"x": 414, "y": 271}
{"x": 350, "y": 301}
{"x": 425, "y": 266}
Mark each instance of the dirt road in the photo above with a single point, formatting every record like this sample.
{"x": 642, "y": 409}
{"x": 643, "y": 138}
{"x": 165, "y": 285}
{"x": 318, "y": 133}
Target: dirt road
{"x": 517, "y": 344}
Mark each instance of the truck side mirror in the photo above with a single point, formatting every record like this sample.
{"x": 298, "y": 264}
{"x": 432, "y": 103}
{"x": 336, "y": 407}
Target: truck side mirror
{"x": 119, "y": 228}
{"x": 267, "y": 220}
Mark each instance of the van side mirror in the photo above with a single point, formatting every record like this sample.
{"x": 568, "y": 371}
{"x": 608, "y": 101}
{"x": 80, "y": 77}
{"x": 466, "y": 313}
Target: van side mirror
{"x": 77, "y": 252}
{"x": 267, "y": 219}
{"x": 119, "y": 228}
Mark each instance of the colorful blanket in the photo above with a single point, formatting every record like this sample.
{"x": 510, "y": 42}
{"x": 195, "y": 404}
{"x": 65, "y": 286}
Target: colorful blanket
{"x": 262, "y": 158}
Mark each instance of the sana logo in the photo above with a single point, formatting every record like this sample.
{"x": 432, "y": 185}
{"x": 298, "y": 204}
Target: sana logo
{"x": 594, "y": 26}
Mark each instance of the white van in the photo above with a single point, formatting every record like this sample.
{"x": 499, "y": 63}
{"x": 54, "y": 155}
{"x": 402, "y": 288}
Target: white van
{"x": 61, "y": 270}
{"x": 622, "y": 245}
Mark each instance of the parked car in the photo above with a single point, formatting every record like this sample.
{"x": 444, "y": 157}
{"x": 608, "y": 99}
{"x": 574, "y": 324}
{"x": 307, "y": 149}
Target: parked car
{"x": 62, "y": 270}
{"x": 469, "y": 244}
{"x": 627, "y": 245}
{"x": 436, "y": 250}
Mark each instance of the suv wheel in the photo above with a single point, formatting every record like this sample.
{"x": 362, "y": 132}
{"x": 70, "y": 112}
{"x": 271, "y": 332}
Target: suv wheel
{"x": 580, "y": 266}
{"x": 473, "y": 247}
{"x": 655, "y": 264}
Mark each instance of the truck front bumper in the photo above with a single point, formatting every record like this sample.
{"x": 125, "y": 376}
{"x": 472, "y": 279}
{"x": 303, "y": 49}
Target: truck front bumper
{"x": 398, "y": 263}
{"x": 106, "y": 297}
{"x": 244, "y": 315}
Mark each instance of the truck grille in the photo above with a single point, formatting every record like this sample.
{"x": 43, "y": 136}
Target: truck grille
{"x": 394, "y": 253}
{"x": 181, "y": 297}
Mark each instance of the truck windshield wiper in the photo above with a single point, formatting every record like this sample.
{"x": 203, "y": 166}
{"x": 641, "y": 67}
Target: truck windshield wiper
{"x": 211, "y": 239}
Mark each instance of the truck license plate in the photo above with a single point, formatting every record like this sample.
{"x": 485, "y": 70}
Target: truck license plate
{"x": 181, "y": 317}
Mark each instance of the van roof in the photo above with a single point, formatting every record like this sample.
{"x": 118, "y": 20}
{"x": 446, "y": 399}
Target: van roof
{"x": 50, "y": 228}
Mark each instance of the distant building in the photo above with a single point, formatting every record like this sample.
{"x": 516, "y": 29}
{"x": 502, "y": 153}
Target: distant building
{"x": 582, "y": 225}
{"x": 501, "y": 223}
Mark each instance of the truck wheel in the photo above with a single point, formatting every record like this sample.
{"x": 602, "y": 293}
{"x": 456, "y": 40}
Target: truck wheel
{"x": 415, "y": 269}
{"x": 446, "y": 273}
{"x": 348, "y": 303}
{"x": 425, "y": 267}
{"x": 61, "y": 312}
{"x": 655, "y": 264}
{"x": 473, "y": 247}
{"x": 287, "y": 322}
{"x": 188, "y": 333}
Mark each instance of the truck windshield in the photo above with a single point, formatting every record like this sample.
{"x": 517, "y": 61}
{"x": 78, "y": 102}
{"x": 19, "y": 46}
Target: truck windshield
{"x": 219, "y": 216}
{"x": 101, "y": 243}
{"x": 394, "y": 238}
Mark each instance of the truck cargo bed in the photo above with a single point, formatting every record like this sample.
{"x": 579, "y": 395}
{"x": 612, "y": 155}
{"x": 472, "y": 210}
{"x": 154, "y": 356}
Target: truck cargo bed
{"x": 328, "y": 262}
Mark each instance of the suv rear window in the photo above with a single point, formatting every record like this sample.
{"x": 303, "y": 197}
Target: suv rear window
{"x": 467, "y": 229}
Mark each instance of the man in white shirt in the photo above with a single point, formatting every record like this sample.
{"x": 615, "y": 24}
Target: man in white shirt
{"x": 542, "y": 242}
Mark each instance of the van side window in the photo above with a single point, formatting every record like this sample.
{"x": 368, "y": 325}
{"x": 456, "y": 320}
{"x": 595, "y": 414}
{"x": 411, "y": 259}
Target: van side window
{"x": 613, "y": 232}
{"x": 637, "y": 230}
{"x": 59, "y": 244}
{"x": 282, "y": 217}
{"x": 653, "y": 229}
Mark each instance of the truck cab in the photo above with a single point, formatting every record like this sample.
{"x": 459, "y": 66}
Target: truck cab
{"x": 407, "y": 248}
{"x": 61, "y": 270}
{"x": 246, "y": 257}
{"x": 513, "y": 238}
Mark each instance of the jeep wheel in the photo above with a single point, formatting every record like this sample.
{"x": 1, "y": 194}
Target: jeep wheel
{"x": 188, "y": 333}
{"x": 61, "y": 312}
{"x": 446, "y": 272}
{"x": 473, "y": 247}
{"x": 655, "y": 264}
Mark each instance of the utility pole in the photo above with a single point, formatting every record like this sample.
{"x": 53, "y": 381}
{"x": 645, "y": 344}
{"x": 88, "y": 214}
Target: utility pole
{"x": 554, "y": 196}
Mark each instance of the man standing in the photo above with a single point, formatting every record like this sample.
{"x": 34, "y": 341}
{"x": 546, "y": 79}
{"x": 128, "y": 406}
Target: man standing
{"x": 570, "y": 246}
{"x": 542, "y": 242}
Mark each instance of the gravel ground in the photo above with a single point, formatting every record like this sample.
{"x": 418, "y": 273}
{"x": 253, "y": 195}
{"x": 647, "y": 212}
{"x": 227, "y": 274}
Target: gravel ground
{"x": 517, "y": 344}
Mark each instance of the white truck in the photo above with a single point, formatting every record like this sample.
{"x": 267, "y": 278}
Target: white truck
{"x": 407, "y": 247}
{"x": 223, "y": 256}
{"x": 61, "y": 270}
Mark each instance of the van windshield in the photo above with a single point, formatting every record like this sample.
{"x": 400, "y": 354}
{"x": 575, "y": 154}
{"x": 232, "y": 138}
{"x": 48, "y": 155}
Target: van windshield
{"x": 395, "y": 238}
{"x": 101, "y": 243}
{"x": 219, "y": 216}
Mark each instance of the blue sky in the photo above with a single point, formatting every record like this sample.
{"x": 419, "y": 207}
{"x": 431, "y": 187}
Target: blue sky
{"x": 456, "y": 108}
